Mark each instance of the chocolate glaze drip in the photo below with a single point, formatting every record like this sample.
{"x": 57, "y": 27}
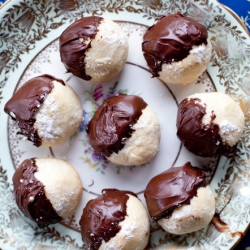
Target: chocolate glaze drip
{"x": 172, "y": 188}
{"x": 170, "y": 40}
{"x": 113, "y": 121}
{"x": 25, "y": 102}
{"x": 74, "y": 41}
{"x": 101, "y": 217}
{"x": 223, "y": 227}
{"x": 30, "y": 195}
{"x": 201, "y": 139}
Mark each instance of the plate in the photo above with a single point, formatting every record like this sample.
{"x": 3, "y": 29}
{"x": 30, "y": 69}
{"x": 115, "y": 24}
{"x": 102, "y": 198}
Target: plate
{"x": 29, "y": 32}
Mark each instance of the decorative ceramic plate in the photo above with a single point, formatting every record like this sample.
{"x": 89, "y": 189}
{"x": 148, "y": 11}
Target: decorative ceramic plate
{"x": 29, "y": 32}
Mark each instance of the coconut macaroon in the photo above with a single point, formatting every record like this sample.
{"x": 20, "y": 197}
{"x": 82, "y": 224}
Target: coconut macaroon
{"x": 125, "y": 130}
{"x": 94, "y": 48}
{"x": 179, "y": 200}
{"x": 46, "y": 110}
{"x": 47, "y": 190}
{"x": 210, "y": 124}
{"x": 115, "y": 220}
{"x": 177, "y": 49}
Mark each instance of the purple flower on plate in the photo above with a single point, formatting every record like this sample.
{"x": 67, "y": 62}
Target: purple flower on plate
{"x": 104, "y": 166}
{"x": 98, "y": 93}
{"x": 98, "y": 157}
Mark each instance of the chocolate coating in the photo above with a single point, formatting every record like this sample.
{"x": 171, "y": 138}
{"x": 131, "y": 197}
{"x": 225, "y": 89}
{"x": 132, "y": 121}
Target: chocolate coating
{"x": 74, "y": 41}
{"x": 25, "y": 103}
{"x": 172, "y": 188}
{"x": 113, "y": 121}
{"x": 201, "y": 139}
{"x": 222, "y": 227}
{"x": 170, "y": 40}
{"x": 30, "y": 195}
{"x": 101, "y": 217}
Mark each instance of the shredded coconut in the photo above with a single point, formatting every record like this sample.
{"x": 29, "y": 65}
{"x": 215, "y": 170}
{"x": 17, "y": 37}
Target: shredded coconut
{"x": 129, "y": 230}
{"x": 47, "y": 127}
{"x": 229, "y": 132}
{"x": 226, "y": 127}
{"x": 200, "y": 52}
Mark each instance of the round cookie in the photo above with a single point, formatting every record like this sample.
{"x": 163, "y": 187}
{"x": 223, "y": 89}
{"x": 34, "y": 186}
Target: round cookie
{"x": 115, "y": 220}
{"x": 47, "y": 190}
{"x": 179, "y": 200}
{"x": 210, "y": 124}
{"x": 46, "y": 110}
{"x": 94, "y": 48}
{"x": 125, "y": 130}
{"x": 177, "y": 49}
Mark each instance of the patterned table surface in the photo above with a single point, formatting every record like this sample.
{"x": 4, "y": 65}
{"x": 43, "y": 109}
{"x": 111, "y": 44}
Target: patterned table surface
{"x": 242, "y": 9}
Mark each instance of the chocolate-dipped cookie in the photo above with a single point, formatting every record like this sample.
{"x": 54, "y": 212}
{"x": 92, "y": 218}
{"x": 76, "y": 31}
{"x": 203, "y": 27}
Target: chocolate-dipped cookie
{"x": 94, "y": 48}
{"x": 115, "y": 220}
{"x": 46, "y": 110}
{"x": 177, "y": 49}
{"x": 47, "y": 190}
{"x": 210, "y": 124}
{"x": 125, "y": 130}
{"x": 179, "y": 199}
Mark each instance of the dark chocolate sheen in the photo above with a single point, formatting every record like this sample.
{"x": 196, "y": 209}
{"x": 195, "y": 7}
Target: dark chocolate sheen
{"x": 74, "y": 41}
{"x": 172, "y": 188}
{"x": 101, "y": 217}
{"x": 171, "y": 39}
{"x": 26, "y": 101}
{"x": 199, "y": 138}
{"x": 30, "y": 195}
{"x": 112, "y": 123}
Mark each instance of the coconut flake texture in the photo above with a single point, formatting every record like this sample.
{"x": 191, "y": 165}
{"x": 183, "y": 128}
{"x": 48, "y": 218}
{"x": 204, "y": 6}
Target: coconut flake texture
{"x": 59, "y": 116}
{"x": 190, "y": 68}
{"x": 143, "y": 144}
{"x": 229, "y": 115}
{"x": 62, "y": 184}
{"x": 108, "y": 52}
{"x": 190, "y": 218}
{"x": 135, "y": 229}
